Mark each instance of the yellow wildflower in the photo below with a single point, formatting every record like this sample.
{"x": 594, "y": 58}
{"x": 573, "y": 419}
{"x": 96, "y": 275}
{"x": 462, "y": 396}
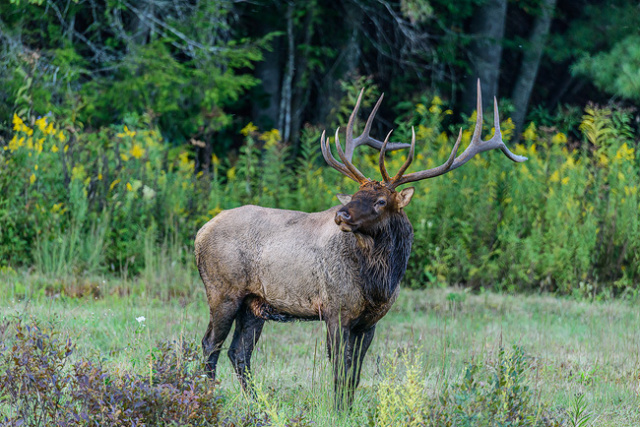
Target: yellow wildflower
{"x": 66, "y": 148}
{"x": 423, "y": 132}
{"x": 61, "y": 137}
{"x": 555, "y": 177}
{"x": 39, "y": 145}
{"x": 35, "y": 167}
{"x": 78, "y": 172}
{"x": 17, "y": 122}
{"x": 271, "y": 138}
{"x": 559, "y": 138}
{"x": 137, "y": 151}
{"x": 466, "y": 137}
{"x": 114, "y": 183}
{"x": 99, "y": 177}
{"x": 436, "y": 100}
{"x": 448, "y": 112}
{"x": 507, "y": 128}
{"x": 129, "y": 186}
{"x": 565, "y": 180}
{"x": 231, "y": 173}
{"x": 32, "y": 178}
{"x": 603, "y": 159}
{"x": 435, "y": 109}
{"x": 56, "y": 207}
{"x": 184, "y": 158}
{"x": 250, "y": 128}
{"x": 421, "y": 109}
{"x": 42, "y": 123}
{"x": 127, "y": 132}
{"x": 50, "y": 130}
{"x": 124, "y": 157}
{"x": 215, "y": 160}
{"x": 54, "y": 148}
{"x": 570, "y": 163}
{"x": 530, "y": 133}
{"x": 625, "y": 153}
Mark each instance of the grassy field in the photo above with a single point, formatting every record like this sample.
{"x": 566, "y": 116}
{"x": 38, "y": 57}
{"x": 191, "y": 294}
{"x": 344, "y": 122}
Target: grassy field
{"x": 573, "y": 347}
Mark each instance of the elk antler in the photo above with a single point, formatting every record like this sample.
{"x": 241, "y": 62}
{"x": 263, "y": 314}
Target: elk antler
{"x": 477, "y": 145}
{"x": 347, "y": 168}
{"x": 364, "y": 137}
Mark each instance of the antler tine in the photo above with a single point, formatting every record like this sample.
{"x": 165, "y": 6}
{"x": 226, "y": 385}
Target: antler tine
{"x": 406, "y": 164}
{"x": 349, "y": 135}
{"x": 476, "y": 146}
{"x": 328, "y": 157}
{"x": 430, "y": 173}
{"x": 356, "y": 174}
{"x": 364, "y": 137}
{"x": 383, "y": 169}
{"x": 498, "y": 134}
{"x": 477, "y": 131}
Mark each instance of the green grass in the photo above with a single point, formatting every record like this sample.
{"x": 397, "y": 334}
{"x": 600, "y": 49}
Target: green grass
{"x": 577, "y": 347}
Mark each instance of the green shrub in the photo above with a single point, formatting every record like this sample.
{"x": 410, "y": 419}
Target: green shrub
{"x": 496, "y": 393}
{"x": 77, "y": 202}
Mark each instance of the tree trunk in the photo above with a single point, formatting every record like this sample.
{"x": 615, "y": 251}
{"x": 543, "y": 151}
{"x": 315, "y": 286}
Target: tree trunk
{"x": 345, "y": 64}
{"x": 530, "y": 63}
{"x": 485, "y": 53}
{"x": 301, "y": 79}
{"x": 284, "y": 122}
{"x": 267, "y": 95}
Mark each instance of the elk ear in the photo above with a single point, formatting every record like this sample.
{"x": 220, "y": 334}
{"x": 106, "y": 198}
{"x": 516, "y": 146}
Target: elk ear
{"x": 404, "y": 197}
{"x": 344, "y": 198}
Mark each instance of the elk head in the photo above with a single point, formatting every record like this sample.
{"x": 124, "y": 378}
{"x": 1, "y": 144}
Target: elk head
{"x": 375, "y": 201}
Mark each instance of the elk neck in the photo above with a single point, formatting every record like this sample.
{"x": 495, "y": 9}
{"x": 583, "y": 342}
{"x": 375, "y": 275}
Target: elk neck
{"x": 382, "y": 254}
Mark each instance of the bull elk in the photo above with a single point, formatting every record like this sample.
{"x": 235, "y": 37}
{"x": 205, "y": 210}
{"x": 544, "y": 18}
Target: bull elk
{"x": 342, "y": 266}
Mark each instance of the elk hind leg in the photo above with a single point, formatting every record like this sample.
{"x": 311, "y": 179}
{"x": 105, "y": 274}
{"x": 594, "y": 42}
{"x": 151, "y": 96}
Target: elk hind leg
{"x": 223, "y": 311}
{"x": 245, "y": 337}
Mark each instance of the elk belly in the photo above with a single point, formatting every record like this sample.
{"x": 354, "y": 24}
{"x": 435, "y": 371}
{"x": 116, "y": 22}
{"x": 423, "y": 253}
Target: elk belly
{"x": 289, "y": 284}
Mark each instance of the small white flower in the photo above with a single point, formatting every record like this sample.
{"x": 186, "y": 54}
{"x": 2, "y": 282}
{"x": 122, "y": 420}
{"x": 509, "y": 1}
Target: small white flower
{"x": 140, "y": 319}
{"x": 429, "y": 224}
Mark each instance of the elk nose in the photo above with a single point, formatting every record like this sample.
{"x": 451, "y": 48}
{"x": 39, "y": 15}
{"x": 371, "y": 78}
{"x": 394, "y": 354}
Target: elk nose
{"x": 342, "y": 215}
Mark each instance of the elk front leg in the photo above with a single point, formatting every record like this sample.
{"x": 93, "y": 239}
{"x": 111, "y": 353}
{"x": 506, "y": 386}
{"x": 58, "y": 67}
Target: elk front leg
{"x": 347, "y": 349}
{"x": 245, "y": 337}
{"x": 361, "y": 343}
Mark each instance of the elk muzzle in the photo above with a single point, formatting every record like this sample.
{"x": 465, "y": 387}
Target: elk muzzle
{"x": 343, "y": 219}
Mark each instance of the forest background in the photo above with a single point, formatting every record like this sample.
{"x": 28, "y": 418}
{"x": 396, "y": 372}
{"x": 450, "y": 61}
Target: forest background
{"x": 126, "y": 125}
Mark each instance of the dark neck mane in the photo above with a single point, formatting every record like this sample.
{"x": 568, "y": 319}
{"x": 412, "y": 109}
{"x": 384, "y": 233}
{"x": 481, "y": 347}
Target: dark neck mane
{"x": 383, "y": 254}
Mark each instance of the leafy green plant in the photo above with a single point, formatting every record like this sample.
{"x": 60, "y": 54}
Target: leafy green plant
{"x": 119, "y": 199}
{"x": 579, "y": 415}
{"x": 494, "y": 394}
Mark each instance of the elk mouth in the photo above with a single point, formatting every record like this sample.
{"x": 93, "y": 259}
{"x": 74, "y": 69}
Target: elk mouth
{"x": 345, "y": 225}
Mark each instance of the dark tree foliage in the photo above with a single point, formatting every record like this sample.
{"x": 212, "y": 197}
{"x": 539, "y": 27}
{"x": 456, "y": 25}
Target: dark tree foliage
{"x": 187, "y": 65}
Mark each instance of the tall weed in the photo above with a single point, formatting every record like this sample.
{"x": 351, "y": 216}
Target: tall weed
{"x": 123, "y": 200}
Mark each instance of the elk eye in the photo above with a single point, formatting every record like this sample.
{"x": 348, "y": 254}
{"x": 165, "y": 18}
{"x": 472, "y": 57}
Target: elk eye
{"x": 381, "y": 202}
